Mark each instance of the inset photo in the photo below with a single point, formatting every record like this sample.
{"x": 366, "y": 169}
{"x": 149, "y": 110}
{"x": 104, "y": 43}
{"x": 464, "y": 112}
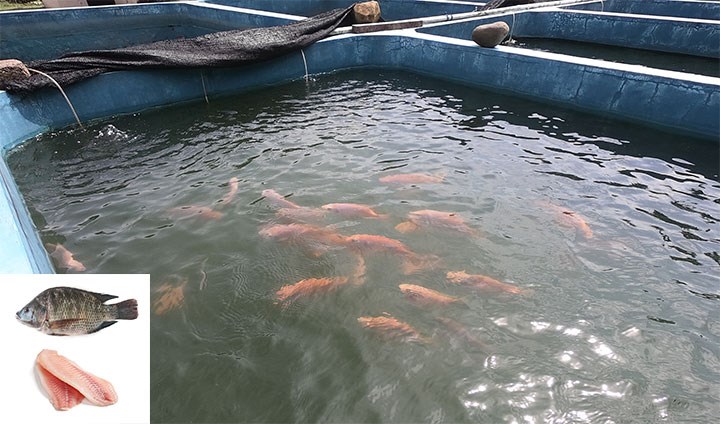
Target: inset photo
{"x": 77, "y": 348}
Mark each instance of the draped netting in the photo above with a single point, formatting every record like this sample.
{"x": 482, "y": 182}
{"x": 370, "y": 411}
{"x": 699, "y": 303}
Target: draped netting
{"x": 218, "y": 49}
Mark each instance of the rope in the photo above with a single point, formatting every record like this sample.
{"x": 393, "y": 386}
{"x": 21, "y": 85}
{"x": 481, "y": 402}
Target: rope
{"x": 307, "y": 78}
{"x": 61, "y": 92}
{"x": 512, "y": 28}
{"x": 202, "y": 78}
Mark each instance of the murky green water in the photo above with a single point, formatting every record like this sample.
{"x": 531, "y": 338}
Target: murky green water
{"x": 619, "y": 326}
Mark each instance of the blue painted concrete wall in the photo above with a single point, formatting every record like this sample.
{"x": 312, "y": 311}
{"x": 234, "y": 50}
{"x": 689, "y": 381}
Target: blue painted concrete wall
{"x": 696, "y": 9}
{"x": 391, "y": 10}
{"x": 692, "y": 37}
{"x": 21, "y": 251}
{"x": 50, "y": 33}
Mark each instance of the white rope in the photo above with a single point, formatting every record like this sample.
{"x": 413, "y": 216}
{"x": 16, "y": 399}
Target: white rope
{"x": 61, "y": 92}
{"x": 512, "y": 28}
{"x": 307, "y": 78}
{"x": 202, "y": 78}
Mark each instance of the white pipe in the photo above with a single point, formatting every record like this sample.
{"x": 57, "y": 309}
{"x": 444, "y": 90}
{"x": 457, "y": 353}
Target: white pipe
{"x": 61, "y": 92}
{"x": 468, "y": 15}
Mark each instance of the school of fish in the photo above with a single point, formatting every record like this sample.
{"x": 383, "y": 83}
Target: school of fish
{"x": 301, "y": 227}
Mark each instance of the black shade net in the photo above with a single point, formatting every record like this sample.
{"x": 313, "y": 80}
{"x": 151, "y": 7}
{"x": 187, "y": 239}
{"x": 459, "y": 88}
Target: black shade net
{"x": 219, "y": 49}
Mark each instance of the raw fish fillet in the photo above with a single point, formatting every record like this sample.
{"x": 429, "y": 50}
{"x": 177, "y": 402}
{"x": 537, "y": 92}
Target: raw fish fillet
{"x": 62, "y": 395}
{"x": 96, "y": 390}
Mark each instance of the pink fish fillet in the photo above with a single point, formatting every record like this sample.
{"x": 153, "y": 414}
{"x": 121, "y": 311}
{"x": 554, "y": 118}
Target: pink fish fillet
{"x": 96, "y": 390}
{"x": 62, "y": 395}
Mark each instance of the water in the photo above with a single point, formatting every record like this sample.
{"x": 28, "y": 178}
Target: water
{"x": 661, "y": 60}
{"x": 618, "y": 327}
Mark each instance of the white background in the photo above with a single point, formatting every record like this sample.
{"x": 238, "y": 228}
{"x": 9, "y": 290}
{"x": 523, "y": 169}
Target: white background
{"x": 120, "y": 353}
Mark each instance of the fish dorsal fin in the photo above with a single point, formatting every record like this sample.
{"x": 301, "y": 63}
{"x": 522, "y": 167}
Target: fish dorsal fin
{"x": 103, "y": 325}
{"x": 102, "y": 297}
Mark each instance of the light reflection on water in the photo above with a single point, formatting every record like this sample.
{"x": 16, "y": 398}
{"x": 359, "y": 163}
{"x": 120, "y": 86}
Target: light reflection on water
{"x": 618, "y": 323}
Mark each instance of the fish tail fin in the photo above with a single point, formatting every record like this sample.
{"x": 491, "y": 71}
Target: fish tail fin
{"x": 476, "y": 234}
{"x": 420, "y": 339}
{"x": 358, "y": 275}
{"x": 416, "y": 263}
{"x": 524, "y": 292}
{"x": 406, "y": 227}
{"x": 127, "y": 309}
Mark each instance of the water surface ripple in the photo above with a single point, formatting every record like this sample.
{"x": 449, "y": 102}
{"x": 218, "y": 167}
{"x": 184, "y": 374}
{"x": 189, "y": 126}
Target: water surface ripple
{"x": 611, "y": 230}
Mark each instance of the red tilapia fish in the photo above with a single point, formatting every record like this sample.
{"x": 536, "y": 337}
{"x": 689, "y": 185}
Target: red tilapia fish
{"x": 67, "y": 311}
{"x": 308, "y": 287}
{"x": 436, "y": 219}
{"x": 198, "y": 211}
{"x": 233, "y": 185}
{"x": 278, "y": 200}
{"x": 358, "y": 274}
{"x": 391, "y": 328}
{"x": 412, "y": 179}
{"x": 412, "y": 262}
{"x": 67, "y": 384}
{"x": 172, "y": 295}
{"x": 461, "y": 331}
{"x": 64, "y": 258}
{"x": 426, "y": 296}
{"x": 568, "y": 218}
{"x": 482, "y": 282}
{"x": 301, "y": 214}
{"x": 317, "y": 240}
{"x": 352, "y": 210}
{"x": 377, "y": 243}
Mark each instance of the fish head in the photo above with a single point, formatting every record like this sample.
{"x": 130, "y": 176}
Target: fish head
{"x": 354, "y": 239}
{"x": 32, "y": 314}
{"x": 365, "y": 321}
{"x": 273, "y": 231}
{"x": 409, "y": 291}
{"x": 271, "y": 193}
{"x": 456, "y": 276}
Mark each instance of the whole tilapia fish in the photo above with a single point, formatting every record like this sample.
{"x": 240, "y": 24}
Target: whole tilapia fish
{"x": 67, "y": 311}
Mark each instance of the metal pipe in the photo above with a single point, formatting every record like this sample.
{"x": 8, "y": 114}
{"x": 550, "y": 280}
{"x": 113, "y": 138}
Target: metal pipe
{"x": 416, "y": 23}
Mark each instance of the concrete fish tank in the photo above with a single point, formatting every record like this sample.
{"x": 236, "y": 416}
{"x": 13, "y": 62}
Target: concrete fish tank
{"x": 390, "y": 225}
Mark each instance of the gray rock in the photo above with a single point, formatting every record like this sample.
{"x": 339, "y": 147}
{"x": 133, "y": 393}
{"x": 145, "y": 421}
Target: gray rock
{"x": 490, "y": 35}
{"x": 366, "y": 13}
{"x": 13, "y": 70}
